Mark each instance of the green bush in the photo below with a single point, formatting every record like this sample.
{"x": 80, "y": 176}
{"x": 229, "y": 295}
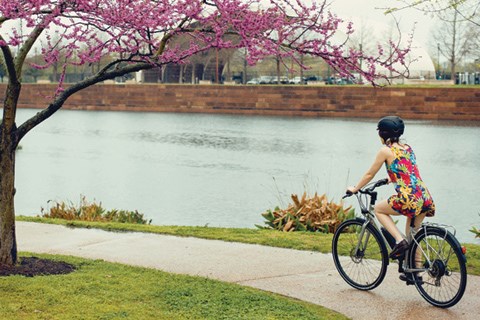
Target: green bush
{"x": 476, "y": 232}
{"x": 308, "y": 214}
{"x": 93, "y": 211}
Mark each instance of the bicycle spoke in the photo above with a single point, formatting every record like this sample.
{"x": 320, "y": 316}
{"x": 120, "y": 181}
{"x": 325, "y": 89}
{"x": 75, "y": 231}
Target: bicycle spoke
{"x": 358, "y": 255}
{"x": 443, "y": 281}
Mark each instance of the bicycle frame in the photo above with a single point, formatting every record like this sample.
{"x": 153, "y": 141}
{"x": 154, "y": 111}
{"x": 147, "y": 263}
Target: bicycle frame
{"x": 367, "y": 211}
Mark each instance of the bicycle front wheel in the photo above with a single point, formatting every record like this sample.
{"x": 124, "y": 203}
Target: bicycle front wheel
{"x": 360, "y": 254}
{"x": 444, "y": 279}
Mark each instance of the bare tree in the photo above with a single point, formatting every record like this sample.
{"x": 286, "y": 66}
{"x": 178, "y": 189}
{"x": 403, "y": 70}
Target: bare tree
{"x": 452, "y": 39}
{"x": 363, "y": 39}
{"x": 467, "y": 10}
{"x": 473, "y": 36}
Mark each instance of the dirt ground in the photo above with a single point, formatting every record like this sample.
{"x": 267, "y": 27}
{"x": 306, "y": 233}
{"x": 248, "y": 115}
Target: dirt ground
{"x": 33, "y": 266}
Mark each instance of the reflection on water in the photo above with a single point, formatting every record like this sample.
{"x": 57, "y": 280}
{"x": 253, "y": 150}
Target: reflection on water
{"x": 190, "y": 169}
{"x": 234, "y": 143}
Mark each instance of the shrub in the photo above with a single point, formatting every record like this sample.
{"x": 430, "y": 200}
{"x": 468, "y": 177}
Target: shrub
{"x": 87, "y": 211}
{"x": 308, "y": 214}
{"x": 125, "y": 216}
{"x": 476, "y": 232}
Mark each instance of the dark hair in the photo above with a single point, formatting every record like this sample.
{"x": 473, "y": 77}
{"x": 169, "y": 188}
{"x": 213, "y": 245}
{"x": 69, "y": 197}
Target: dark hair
{"x": 391, "y": 140}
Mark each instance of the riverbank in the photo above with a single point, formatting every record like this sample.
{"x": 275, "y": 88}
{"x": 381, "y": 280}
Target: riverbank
{"x": 421, "y": 103}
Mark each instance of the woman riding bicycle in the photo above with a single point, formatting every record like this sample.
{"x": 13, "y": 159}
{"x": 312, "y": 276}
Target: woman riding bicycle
{"x": 412, "y": 198}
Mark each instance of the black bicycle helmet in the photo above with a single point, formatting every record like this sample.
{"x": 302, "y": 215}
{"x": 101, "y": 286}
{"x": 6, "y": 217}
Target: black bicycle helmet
{"x": 390, "y": 127}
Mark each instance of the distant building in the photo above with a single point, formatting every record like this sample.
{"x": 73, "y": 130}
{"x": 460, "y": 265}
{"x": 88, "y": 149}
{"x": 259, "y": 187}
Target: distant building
{"x": 206, "y": 65}
{"x": 201, "y": 67}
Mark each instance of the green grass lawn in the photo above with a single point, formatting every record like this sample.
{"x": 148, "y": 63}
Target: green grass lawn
{"x": 102, "y": 290}
{"x": 293, "y": 240}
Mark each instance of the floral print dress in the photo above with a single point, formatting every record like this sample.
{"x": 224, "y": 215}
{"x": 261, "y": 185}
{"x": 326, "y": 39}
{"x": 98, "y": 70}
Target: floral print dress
{"x": 412, "y": 196}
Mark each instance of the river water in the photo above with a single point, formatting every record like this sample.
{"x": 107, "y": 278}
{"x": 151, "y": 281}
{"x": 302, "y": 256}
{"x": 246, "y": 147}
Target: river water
{"x": 224, "y": 171}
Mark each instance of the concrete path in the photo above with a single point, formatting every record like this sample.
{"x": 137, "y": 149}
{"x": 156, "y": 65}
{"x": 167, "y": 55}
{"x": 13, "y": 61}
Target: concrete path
{"x": 304, "y": 275}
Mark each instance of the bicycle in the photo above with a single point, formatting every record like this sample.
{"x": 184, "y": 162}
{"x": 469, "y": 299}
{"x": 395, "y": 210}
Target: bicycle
{"x": 435, "y": 262}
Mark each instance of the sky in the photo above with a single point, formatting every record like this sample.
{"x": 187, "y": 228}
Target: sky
{"x": 358, "y": 10}
{"x": 369, "y": 13}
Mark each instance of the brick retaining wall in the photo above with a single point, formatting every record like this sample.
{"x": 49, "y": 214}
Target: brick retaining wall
{"x": 312, "y": 101}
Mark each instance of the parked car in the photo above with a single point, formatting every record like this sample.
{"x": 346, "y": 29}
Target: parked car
{"x": 340, "y": 80}
{"x": 283, "y": 80}
{"x": 254, "y": 81}
{"x": 333, "y": 80}
{"x": 298, "y": 80}
{"x": 267, "y": 79}
{"x": 313, "y": 78}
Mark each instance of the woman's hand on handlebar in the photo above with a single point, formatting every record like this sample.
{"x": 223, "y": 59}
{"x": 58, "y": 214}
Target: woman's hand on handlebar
{"x": 353, "y": 190}
{"x": 350, "y": 191}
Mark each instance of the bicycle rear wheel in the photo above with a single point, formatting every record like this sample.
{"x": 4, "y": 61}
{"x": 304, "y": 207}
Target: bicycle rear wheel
{"x": 361, "y": 259}
{"x": 444, "y": 281}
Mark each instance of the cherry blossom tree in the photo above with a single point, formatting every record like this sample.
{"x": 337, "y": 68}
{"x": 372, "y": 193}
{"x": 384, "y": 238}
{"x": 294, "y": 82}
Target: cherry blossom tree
{"x": 127, "y": 36}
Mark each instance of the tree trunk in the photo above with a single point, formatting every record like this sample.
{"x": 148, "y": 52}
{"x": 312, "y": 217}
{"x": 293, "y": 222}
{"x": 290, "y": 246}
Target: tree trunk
{"x": 228, "y": 76}
{"x": 244, "y": 78}
{"x": 278, "y": 70}
{"x": 8, "y": 144}
{"x": 453, "y": 58}
{"x": 8, "y": 245}
{"x": 194, "y": 73}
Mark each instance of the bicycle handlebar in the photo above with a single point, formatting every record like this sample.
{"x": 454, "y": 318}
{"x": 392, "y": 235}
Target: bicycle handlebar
{"x": 369, "y": 190}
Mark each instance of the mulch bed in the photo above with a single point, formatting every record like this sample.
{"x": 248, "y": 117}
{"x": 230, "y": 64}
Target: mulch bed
{"x": 33, "y": 266}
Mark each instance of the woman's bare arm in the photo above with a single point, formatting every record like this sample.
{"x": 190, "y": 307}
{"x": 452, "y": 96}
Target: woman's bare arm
{"x": 382, "y": 156}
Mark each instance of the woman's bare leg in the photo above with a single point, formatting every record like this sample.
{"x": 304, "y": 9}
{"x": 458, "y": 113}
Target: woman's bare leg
{"x": 418, "y": 222}
{"x": 384, "y": 215}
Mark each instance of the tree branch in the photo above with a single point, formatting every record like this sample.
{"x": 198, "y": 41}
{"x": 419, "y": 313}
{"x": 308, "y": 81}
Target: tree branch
{"x": 27, "y": 46}
{"x": 12, "y": 92}
{"x": 167, "y": 37}
{"x": 9, "y": 61}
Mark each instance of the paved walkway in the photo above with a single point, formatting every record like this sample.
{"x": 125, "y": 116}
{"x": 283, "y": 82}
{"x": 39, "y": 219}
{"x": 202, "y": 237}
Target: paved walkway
{"x": 304, "y": 275}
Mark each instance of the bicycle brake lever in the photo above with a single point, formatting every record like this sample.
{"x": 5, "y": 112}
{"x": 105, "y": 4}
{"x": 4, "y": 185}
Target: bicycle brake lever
{"x": 384, "y": 181}
{"x": 347, "y": 194}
